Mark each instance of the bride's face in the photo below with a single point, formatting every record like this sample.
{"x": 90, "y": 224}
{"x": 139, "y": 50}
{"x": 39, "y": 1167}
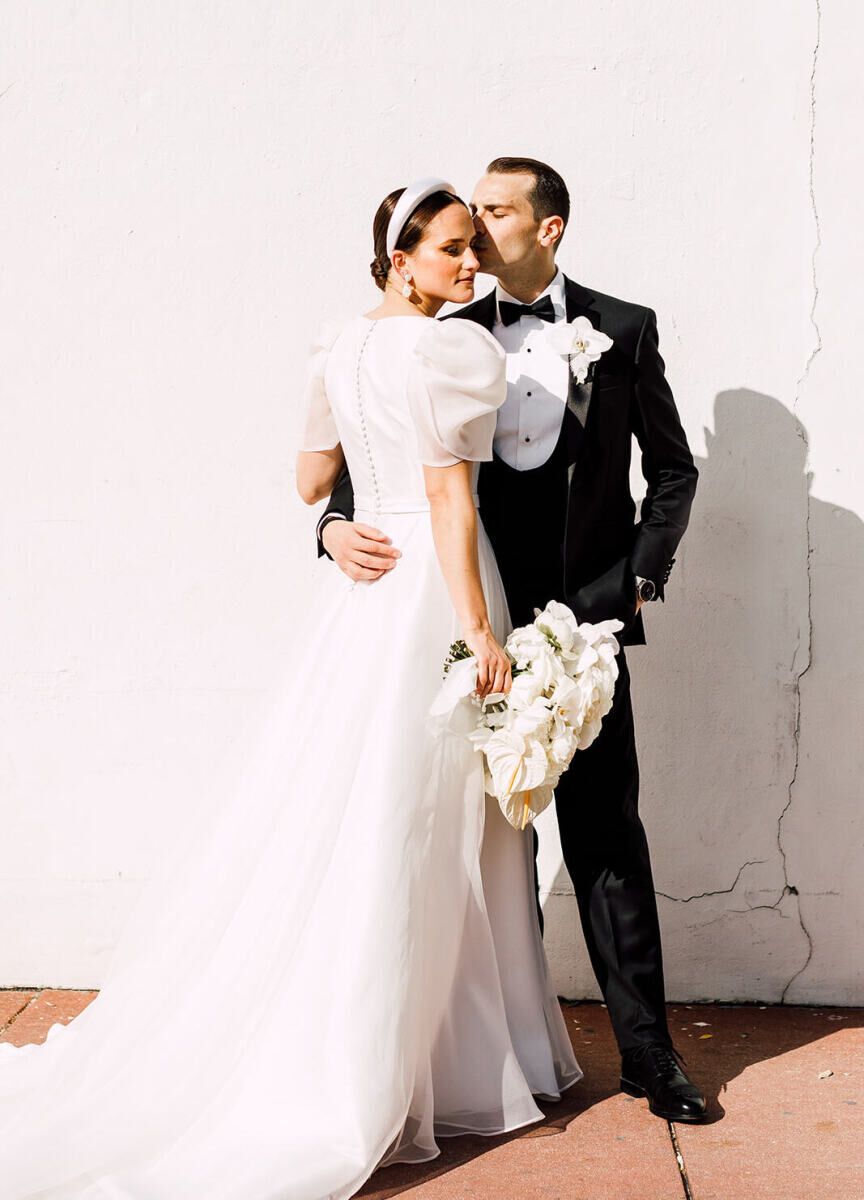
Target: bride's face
{"x": 443, "y": 264}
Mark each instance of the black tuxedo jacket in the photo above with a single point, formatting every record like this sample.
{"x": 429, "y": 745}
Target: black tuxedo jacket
{"x": 626, "y": 394}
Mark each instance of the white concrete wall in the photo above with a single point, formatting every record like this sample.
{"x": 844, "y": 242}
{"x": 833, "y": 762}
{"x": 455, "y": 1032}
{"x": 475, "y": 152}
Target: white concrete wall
{"x": 188, "y": 188}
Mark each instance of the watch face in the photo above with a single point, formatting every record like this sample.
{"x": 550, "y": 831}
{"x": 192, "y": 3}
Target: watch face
{"x": 647, "y": 589}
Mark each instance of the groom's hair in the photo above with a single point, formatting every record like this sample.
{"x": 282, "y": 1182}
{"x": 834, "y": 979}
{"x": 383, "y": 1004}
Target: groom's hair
{"x": 548, "y": 197}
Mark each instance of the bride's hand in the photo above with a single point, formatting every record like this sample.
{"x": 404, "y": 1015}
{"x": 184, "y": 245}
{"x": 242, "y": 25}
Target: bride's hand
{"x": 493, "y": 664}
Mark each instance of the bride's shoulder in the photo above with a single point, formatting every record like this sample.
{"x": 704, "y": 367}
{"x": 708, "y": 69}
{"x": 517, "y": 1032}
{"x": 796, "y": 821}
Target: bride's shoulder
{"x": 456, "y": 340}
{"x": 456, "y": 386}
{"x": 456, "y": 358}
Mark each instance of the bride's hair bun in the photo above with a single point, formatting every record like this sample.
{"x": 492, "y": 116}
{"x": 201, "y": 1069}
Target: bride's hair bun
{"x": 379, "y": 272}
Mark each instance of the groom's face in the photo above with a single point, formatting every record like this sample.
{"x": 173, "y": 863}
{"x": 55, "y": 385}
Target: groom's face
{"x": 507, "y": 230}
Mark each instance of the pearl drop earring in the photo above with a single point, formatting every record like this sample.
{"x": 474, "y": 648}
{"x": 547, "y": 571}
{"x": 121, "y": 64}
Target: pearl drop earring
{"x": 406, "y": 287}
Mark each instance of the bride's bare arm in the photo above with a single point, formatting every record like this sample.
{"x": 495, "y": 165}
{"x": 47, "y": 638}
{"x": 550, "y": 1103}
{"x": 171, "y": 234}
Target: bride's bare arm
{"x": 454, "y": 529}
{"x": 317, "y": 472}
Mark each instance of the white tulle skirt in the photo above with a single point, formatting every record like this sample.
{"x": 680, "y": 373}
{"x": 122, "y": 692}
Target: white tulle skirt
{"x": 351, "y": 947}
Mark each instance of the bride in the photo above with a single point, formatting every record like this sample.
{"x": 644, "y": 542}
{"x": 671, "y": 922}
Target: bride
{"x": 352, "y": 946}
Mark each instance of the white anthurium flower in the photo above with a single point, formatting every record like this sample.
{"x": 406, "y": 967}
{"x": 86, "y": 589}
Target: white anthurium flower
{"x": 579, "y": 342}
{"x": 459, "y": 682}
{"x": 515, "y": 763}
{"x": 513, "y": 807}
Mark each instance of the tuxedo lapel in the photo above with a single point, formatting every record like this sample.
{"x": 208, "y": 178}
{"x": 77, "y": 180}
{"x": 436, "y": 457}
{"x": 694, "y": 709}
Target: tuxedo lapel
{"x": 579, "y": 302}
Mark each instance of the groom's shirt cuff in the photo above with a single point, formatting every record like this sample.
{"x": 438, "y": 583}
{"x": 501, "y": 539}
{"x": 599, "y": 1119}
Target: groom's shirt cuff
{"x": 331, "y": 516}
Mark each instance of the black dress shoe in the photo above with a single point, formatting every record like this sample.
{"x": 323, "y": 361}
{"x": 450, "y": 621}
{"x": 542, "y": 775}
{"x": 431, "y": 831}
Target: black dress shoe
{"x": 651, "y": 1070}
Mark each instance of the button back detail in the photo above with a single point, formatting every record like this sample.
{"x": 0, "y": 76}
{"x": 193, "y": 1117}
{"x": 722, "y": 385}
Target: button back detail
{"x": 364, "y": 432}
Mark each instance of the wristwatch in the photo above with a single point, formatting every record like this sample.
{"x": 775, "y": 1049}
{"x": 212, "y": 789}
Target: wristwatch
{"x": 645, "y": 588}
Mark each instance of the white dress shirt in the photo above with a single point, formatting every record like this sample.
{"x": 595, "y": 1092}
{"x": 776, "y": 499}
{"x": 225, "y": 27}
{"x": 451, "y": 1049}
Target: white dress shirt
{"x": 529, "y": 420}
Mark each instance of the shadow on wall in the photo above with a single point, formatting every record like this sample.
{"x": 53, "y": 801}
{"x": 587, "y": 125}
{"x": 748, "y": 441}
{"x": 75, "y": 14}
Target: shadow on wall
{"x": 750, "y": 749}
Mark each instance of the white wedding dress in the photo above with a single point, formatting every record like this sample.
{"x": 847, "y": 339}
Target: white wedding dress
{"x": 351, "y": 949}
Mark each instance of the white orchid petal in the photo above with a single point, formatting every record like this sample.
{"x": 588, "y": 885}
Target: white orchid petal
{"x": 578, "y": 341}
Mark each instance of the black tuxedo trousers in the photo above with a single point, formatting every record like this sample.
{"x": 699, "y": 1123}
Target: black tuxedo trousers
{"x": 602, "y": 836}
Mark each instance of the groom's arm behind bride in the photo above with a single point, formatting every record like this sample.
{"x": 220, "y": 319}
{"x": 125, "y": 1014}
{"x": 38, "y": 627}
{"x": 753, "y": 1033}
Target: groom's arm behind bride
{"x": 361, "y": 551}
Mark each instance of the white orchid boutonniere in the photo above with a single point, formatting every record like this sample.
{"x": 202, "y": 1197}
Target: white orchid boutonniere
{"x": 580, "y": 343}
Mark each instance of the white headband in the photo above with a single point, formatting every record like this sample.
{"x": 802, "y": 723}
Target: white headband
{"x": 407, "y": 202}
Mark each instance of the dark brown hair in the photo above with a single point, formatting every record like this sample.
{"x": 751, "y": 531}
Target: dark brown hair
{"x": 548, "y": 197}
{"x": 412, "y": 231}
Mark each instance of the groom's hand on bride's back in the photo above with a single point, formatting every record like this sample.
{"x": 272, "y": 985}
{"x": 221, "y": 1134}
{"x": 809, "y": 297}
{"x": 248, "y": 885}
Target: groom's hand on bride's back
{"x": 361, "y": 551}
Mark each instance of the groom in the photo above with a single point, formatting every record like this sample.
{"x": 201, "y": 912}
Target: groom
{"x": 555, "y": 501}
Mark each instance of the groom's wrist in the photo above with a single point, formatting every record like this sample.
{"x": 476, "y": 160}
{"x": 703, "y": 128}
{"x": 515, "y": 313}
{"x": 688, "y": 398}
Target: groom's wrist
{"x": 646, "y": 590}
{"x": 322, "y": 525}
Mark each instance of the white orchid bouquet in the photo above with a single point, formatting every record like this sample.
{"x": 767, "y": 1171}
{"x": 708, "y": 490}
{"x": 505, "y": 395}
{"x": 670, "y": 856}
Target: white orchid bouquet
{"x": 563, "y": 679}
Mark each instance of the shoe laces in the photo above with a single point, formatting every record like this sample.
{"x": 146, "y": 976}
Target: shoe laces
{"x": 662, "y": 1054}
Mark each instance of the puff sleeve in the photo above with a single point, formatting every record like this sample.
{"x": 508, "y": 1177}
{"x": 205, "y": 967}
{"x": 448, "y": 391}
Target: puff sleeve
{"x": 318, "y": 428}
{"x": 456, "y": 384}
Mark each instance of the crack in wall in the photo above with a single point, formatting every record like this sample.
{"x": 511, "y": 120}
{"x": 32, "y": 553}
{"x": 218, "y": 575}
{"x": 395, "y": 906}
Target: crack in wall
{"x": 797, "y": 674}
{"x": 720, "y": 891}
{"x": 814, "y": 209}
{"x": 802, "y": 380}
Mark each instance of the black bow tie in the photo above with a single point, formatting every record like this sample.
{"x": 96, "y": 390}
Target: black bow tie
{"x": 542, "y": 308}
